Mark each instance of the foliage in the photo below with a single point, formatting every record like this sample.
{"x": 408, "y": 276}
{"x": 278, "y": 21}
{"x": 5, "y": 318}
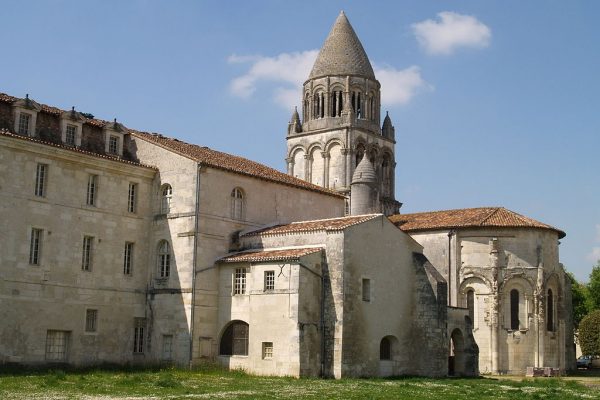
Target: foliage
{"x": 580, "y": 300}
{"x": 594, "y": 287}
{"x": 589, "y": 334}
{"x": 214, "y": 383}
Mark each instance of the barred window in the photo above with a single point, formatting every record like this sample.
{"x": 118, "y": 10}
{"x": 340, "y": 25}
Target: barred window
{"x": 385, "y": 349}
{"x": 164, "y": 259}
{"x": 91, "y": 190}
{"x": 240, "y": 281}
{"x": 40, "y": 180}
{"x": 91, "y": 320}
{"x": 132, "y": 198}
{"x": 267, "y": 350}
{"x": 86, "y": 258}
{"x": 70, "y": 134}
{"x": 24, "y": 120}
{"x": 269, "y": 280}
{"x": 128, "y": 258}
{"x": 35, "y": 246}
{"x": 138, "y": 335}
{"x": 234, "y": 341}
{"x": 113, "y": 144}
{"x": 57, "y": 345}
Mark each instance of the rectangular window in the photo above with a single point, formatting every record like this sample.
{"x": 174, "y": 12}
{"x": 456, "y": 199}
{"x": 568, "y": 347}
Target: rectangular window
{"x": 24, "y": 120}
{"x": 92, "y": 188}
{"x": 40, "y": 179}
{"x": 57, "y": 345}
{"x": 131, "y": 198}
{"x": 167, "y": 348}
{"x": 267, "y": 350}
{"x": 128, "y": 258}
{"x": 240, "y": 281}
{"x": 70, "y": 135}
{"x": 138, "y": 334}
{"x": 269, "y": 280}
{"x": 91, "y": 320}
{"x": 86, "y": 259}
{"x": 35, "y": 246}
{"x": 366, "y": 289}
{"x": 113, "y": 145}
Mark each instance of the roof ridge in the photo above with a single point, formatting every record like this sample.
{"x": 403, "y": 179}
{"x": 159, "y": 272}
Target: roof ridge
{"x": 487, "y": 217}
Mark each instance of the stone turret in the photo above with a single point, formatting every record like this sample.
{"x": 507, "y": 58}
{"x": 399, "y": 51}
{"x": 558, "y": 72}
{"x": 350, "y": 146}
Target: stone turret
{"x": 387, "y": 130}
{"x": 364, "y": 195}
{"x": 294, "y": 125}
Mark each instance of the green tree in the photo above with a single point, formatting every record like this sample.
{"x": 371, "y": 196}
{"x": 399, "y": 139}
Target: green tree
{"x": 594, "y": 287}
{"x": 589, "y": 334}
{"x": 580, "y": 299}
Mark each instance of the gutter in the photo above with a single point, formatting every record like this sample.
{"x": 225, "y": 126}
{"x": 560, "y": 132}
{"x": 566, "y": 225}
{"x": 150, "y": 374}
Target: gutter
{"x": 194, "y": 261}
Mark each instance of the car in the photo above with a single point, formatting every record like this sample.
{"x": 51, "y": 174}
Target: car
{"x": 584, "y": 362}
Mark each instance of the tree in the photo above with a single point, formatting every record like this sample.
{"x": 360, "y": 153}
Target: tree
{"x": 589, "y": 334}
{"x": 580, "y": 300}
{"x": 594, "y": 287}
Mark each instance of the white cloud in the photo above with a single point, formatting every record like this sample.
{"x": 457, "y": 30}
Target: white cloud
{"x": 288, "y": 71}
{"x": 451, "y": 32}
{"x": 594, "y": 255}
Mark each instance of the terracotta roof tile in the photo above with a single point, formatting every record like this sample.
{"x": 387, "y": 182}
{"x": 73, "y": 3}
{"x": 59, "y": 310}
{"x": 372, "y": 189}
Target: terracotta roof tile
{"x": 270, "y": 255}
{"x": 467, "y": 218}
{"x": 228, "y": 162}
{"x": 330, "y": 224}
{"x": 4, "y": 132}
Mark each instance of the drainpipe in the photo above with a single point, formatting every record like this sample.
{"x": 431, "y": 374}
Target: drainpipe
{"x": 322, "y": 317}
{"x": 194, "y": 261}
{"x": 450, "y": 286}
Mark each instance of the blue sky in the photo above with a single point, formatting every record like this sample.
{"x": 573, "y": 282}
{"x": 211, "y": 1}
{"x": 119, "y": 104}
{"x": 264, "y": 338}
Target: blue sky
{"x": 495, "y": 103}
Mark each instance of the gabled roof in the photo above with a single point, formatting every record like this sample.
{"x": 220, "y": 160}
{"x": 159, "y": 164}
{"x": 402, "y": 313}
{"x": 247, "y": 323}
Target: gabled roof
{"x": 468, "y": 218}
{"x": 228, "y": 162}
{"x": 270, "y": 255}
{"x": 342, "y": 53}
{"x": 328, "y": 225}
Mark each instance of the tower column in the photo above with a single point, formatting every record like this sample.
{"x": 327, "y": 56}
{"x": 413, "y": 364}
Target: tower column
{"x": 290, "y": 165}
{"x": 326, "y": 157}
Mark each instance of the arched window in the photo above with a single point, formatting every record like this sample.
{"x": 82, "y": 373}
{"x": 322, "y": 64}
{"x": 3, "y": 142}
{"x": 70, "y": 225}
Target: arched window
{"x": 166, "y": 194}
{"x": 237, "y": 204}
{"x": 319, "y": 105}
{"x": 385, "y": 349}
{"x": 360, "y": 152}
{"x": 471, "y": 304}
{"x": 514, "y": 309}
{"x": 337, "y": 103}
{"x": 357, "y": 104}
{"x": 234, "y": 341}
{"x": 550, "y": 311}
{"x": 164, "y": 259}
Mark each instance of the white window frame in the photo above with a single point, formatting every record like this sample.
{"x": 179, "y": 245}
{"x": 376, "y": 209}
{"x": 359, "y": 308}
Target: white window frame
{"x": 70, "y": 135}
{"x": 35, "y": 246}
{"x": 269, "y": 280}
{"x": 164, "y": 259}
{"x": 29, "y": 107}
{"x": 132, "y": 198}
{"x": 91, "y": 320}
{"x": 166, "y": 197}
{"x": 267, "y": 350}
{"x": 57, "y": 345}
{"x": 87, "y": 253}
{"x": 71, "y": 119}
{"x": 41, "y": 179}
{"x": 239, "y": 281}
{"x": 128, "y": 258}
{"x": 92, "y": 190}
{"x": 23, "y": 127}
{"x": 114, "y": 129}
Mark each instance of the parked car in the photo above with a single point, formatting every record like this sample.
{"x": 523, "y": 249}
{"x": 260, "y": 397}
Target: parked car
{"x": 584, "y": 362}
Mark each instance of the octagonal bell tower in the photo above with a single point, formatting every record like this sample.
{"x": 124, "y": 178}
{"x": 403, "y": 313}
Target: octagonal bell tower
{"x": 340, "y": 124}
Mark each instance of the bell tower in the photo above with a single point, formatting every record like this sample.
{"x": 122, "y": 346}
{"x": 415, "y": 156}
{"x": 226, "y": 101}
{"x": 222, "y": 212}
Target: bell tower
{"x": 340, "y": 124}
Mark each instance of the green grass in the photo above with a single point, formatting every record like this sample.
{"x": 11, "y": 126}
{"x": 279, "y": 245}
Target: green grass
{"x": 213, "y": 383}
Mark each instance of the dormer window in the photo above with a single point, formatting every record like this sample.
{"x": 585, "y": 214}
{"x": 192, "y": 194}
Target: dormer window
{"x": 114, "y": 134}
{"x": 70, "y": 135}
{"x": 26, "y": 111}
{"x": 113, "y": 145}
{"x": 71, "y": 125}
{"x": 24, "y": 120}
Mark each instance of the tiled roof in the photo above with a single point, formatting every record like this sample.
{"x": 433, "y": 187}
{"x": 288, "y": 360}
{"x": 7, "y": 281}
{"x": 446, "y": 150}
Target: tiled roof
{"x": 467, "y": 218}
{"x": 331, "y": 224}
{"x": 228, "y": 162}
{"x": 270, "y": 255}
{"x": 4, "y": 132}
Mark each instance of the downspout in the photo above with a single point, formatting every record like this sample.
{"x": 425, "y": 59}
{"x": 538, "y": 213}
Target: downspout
{"x": 322, "y": 316}
{"x": 194, "y": 261}
{"x": 450, "y": 286}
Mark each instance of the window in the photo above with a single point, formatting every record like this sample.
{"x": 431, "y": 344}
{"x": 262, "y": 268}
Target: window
{"x": 164, "y": 259}
{"x": 366, "y": 289}
{"x": 86, "y": 258}
{"x": 113, "y": 144}
{"x": 167, "y": 347}
{"x": 471, "y": 304}
{"x": 70, "y": 135}
{"x": 24, "y": 121}
{"x": 385, "y": 349}
{"x": 514, "y": 309}
{"x": 40, "y": 180}
{"x": 165, "y": 200}
{"x": 35, "y": 246}
{"x": 128, "y": 258}
{"x": 240, "y": 281}
{"x": 269, "y": 280}
{"x": 57, "y": 345}
{"x": 237, "y": 204}
{"x": 91, "y": 320}
{"x": 138, "y": 335}
{"x": 91, "y": 190}
{"x": 234, "y": 341}
{"x": 267, "y": 350}
{"x": 131, "y": 198}
{"x": 550, "y": 311}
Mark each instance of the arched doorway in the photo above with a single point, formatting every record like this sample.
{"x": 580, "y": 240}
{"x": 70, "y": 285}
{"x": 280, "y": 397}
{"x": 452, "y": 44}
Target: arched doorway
{"x": 388, "y": 349}
{"x": 456, "y": 359}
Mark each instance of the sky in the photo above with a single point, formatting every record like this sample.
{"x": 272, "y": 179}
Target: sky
{"x": 495, "y": 103}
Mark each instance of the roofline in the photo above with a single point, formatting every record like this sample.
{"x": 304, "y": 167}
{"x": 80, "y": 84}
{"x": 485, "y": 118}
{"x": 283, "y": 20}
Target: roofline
{"x": 264, "y": 231}
{"x": 344, "y": 76}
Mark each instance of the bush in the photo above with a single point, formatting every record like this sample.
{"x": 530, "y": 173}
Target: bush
{"x": 589, "y": 334}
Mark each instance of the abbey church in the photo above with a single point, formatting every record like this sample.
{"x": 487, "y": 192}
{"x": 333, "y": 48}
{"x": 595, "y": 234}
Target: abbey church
{"x": 135, "y": 248}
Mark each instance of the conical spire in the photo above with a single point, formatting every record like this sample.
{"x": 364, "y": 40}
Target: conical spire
{"x": 364, "y": 172}
{"x": 342, "y": 53}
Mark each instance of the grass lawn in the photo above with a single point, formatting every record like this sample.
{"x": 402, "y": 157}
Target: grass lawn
{"x": 210, "y": 383}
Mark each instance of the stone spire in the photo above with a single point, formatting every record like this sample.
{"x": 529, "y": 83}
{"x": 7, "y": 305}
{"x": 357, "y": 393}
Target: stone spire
{"x": 364, "y": 195}
{"x": 294, "y": 125}
{"x": 387, "y": 130}
{"x": 342, "y": 53}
